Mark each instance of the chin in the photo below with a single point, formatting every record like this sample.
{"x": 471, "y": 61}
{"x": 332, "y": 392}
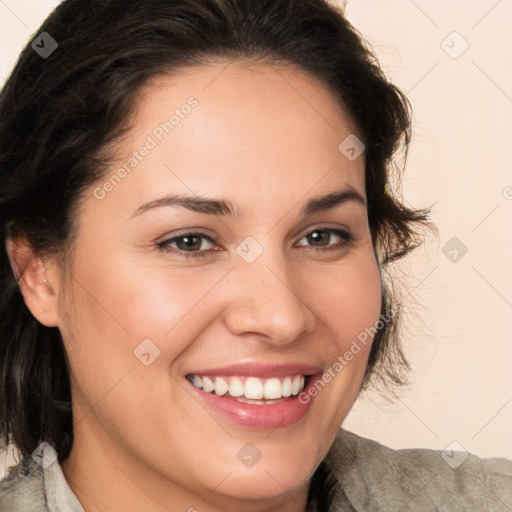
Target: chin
{"x": 263, "y": 484}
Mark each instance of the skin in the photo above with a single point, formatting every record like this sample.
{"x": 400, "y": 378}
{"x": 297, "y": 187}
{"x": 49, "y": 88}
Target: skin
{"x": 265, "y": 138}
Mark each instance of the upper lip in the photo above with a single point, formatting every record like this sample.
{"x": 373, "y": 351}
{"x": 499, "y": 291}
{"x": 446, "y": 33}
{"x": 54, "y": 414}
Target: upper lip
{"x": 255, "y": 369}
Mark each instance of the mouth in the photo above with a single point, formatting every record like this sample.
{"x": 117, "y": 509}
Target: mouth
{"x": 256, "y": 397}
{"x": 249, "y": 389}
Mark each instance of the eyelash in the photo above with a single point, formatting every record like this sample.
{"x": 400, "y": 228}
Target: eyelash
{"x": 346, "y": 240}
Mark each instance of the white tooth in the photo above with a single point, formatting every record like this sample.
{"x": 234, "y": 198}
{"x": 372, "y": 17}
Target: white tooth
{"x": 221, "y": 386}
{"x": 273, "y": 389}
{"x": 196, "y": 380}
{"x": 253, "y": 388}
{"x": 236, "y": 387}
{"x": 302, "y": 380}
{"x": 208, "y": 384}
{"x": 296, "y": 385}
{"x": 287, "y": 387}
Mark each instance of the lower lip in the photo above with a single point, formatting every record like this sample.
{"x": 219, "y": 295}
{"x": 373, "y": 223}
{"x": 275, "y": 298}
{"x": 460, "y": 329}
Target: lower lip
{"x": 270, "y": 416}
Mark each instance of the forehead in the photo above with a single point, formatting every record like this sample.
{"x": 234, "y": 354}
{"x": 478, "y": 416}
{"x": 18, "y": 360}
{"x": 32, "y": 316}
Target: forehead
{"x": 249, "y": 132}
{"x": 246, "y": 101}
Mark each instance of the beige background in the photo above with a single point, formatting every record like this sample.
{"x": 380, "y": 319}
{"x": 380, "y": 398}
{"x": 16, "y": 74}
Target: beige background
{"x": 459, "y": 333}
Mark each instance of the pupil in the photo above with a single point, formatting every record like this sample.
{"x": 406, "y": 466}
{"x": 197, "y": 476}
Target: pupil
{"x": 188, "y": 242}
{"x": 315, "y": 237}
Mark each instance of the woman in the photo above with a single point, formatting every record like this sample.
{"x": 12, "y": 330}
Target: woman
{"x": 198, "y": 220}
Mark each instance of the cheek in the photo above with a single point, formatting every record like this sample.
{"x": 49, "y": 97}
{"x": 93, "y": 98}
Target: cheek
{"x": 350, "y": 306}
{"x": 349, "y": 301}
{"x": 124, "y": 303}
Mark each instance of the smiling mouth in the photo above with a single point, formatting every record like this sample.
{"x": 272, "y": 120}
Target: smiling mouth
{"x": 251, "y": 390}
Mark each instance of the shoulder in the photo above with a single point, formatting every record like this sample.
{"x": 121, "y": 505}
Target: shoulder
{"x": 22, "y": 488}
{"x": 375, "y": 477}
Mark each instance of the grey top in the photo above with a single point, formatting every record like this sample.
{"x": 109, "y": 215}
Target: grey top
{"x": 357, "y": 474}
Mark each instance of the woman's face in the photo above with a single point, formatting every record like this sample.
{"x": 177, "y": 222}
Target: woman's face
{"x": 163, "y": 293}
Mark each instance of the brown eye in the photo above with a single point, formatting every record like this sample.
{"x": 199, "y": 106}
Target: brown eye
{"x": 321, "y": 237}
{"x": 192, "y": 242}
{"x": 189, "y": 245}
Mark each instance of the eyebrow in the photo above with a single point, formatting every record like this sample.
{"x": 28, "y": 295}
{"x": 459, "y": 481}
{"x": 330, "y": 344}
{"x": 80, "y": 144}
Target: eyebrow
{"x": 219, "y": 207}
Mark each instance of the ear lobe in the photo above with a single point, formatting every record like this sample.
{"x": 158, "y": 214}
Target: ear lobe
{"x": 36, "y": 282}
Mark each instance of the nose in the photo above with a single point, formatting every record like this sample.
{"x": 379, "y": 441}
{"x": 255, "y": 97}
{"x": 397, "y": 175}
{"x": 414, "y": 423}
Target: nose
{"x": 267, "y": 302}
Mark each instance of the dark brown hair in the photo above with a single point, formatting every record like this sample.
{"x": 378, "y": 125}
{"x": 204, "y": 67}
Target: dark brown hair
{"x": 58, "y": 115}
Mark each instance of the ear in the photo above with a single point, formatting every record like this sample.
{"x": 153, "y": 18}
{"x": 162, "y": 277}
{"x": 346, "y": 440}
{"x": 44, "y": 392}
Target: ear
{"x": 37, "y": 278}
